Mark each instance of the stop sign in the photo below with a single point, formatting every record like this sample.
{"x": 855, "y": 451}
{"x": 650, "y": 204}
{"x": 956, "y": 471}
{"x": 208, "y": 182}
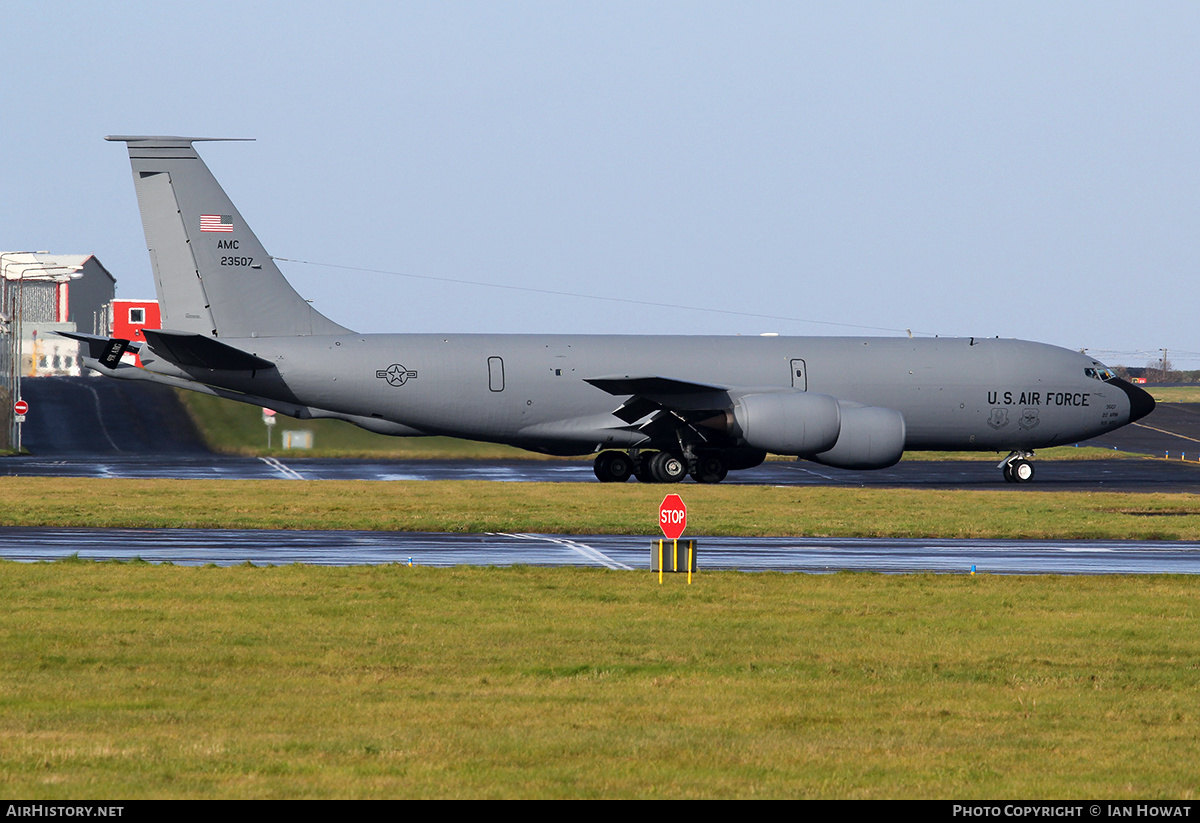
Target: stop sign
{"x": 20, "y": 407}
{"x": 672, "y": 516}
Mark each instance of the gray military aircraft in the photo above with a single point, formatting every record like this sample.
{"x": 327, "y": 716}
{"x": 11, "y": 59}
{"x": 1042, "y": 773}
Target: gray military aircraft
{"x": 656, "y": 407}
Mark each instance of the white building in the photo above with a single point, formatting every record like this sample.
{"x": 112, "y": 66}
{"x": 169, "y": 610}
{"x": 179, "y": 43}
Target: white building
{"x": 41, "y": 293}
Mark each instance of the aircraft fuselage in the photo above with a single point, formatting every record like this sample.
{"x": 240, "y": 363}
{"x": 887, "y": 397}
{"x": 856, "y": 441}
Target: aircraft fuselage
{"x": 529, "y": 390}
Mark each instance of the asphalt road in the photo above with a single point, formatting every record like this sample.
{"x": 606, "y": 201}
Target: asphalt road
{"x": 794, "y": 554}
{"x": 1171, "y": 429}
{"x": 78, "y": 416}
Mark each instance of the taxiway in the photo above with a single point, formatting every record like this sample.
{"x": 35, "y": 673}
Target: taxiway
{"x": 789, "y": 554}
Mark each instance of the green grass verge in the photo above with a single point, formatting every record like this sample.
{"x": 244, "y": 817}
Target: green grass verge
{"x": 1175, "y": 394}
{"x": 229, "y": 427}
{"x": 137, "y": 681}
{"x": 594, "y": 508}
{"x": 1053, "y": 453}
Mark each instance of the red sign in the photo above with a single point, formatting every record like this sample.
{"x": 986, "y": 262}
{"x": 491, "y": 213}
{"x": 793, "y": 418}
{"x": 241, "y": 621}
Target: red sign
{"x": 21, "y": 407}
{"x": 672, "y": 516}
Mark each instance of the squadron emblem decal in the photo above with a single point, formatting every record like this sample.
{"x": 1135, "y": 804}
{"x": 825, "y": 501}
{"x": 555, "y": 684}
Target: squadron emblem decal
{"x": 396, "y": 375}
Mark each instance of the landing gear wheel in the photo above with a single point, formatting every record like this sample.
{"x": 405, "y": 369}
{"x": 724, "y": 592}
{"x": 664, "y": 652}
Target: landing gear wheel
{"x": 1021, "y": 470}
{"x": 613, "y": 467}
{"x": 641, "y": 467}
{"x": 1016, "y": 467}
{"x": 667, "y": 468}
{"x": 709, "y": 468}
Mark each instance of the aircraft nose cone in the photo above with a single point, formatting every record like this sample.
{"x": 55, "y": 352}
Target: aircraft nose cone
{"x": 1140, "y": 401}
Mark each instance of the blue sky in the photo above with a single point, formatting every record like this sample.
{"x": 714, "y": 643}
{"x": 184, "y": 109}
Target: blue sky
{"x": 1017, "y": 169}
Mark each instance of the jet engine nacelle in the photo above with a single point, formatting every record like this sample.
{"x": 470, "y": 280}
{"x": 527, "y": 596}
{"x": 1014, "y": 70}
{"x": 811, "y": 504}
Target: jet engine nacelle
{"x": 788, "y": 422}
{"x": 870, "y": 438}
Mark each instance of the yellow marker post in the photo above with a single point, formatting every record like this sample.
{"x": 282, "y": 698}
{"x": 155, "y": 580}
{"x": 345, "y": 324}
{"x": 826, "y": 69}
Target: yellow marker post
{"x": 658, "y": 557}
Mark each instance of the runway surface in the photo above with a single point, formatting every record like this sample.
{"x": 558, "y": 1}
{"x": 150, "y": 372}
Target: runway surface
{"x": 792, "y": 554}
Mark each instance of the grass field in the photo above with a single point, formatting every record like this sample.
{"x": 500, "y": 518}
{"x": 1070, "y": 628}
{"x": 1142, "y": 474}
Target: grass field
{"x": 1175, "y": 394}
{"x": 130, "y": 680}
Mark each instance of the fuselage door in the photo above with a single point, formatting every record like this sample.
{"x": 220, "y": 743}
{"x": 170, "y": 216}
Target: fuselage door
{"x": 799, "y": 375}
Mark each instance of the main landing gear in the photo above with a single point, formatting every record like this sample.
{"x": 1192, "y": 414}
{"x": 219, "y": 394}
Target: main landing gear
{"x": 659, "y": 467}
{"x": 613, "y": 467}
{"x": 1017, "y": 468}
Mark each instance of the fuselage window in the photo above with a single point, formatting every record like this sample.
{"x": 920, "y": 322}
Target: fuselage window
{"x": 495, "y": 374}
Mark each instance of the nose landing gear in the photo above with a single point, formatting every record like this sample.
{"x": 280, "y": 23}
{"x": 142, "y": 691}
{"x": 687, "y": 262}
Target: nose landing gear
{"x": 1017, "y": 468}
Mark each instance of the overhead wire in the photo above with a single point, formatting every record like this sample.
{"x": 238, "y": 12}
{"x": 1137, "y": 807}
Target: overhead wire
{"x": 1106, "y": 353}
{"x": 579, "y": 295}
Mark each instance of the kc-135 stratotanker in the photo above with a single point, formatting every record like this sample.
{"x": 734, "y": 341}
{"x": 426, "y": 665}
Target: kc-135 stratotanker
{"x": 653, "y": 406}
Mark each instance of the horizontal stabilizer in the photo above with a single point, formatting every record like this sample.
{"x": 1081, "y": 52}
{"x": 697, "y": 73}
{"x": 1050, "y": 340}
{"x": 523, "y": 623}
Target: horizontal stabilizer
{"x": 196, "y": 350}
{"x": 106, "y": 350}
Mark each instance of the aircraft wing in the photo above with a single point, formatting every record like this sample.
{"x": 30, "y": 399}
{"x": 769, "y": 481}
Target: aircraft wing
{"x": 653, "y": 393}
{"x": 649, "y": 385}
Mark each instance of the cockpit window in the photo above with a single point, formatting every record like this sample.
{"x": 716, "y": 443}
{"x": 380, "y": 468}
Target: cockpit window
{"x": 1100, "y": 372}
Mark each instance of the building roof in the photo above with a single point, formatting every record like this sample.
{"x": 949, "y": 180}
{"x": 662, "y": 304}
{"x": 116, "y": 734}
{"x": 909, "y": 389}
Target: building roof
{"x": 40, "y": 265}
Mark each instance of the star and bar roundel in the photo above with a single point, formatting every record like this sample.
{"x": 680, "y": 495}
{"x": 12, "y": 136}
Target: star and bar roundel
{"x": 395, "y": 374}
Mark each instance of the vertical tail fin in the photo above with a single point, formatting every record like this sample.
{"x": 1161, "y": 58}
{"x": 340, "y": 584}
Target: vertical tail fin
{"x": 212, "y": 275}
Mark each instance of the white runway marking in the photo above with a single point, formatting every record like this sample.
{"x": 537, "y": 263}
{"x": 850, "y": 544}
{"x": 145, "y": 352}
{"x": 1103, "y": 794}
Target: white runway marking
{"x": 583, "y": 549}
{"x": 807, "y": 470}
{"x": 1164, "y": 431}
{"x": 290, "y": 474}
{"x": 100, "y": 419}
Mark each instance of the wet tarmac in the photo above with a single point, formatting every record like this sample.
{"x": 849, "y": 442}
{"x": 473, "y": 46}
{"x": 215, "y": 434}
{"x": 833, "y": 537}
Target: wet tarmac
{"x": 225, "y": 547}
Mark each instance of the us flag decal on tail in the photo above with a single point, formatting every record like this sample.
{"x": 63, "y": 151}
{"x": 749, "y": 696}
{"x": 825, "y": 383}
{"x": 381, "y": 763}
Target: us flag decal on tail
{"x": 216, "y": 222}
